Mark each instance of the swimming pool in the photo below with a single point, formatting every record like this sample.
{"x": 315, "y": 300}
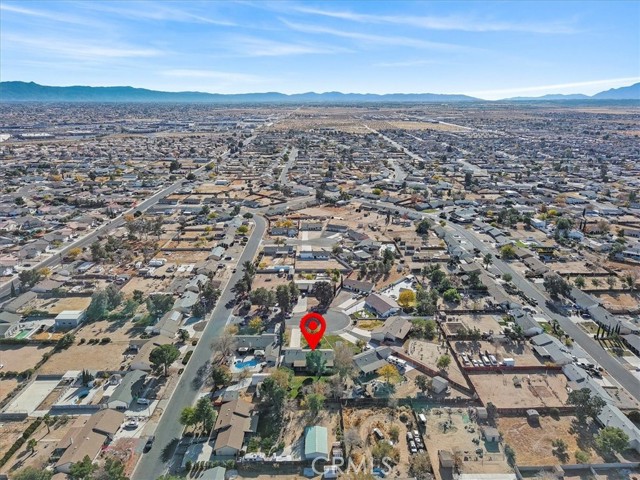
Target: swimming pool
{"x": 23, "y": 334}
{"x": 246, "y": 364}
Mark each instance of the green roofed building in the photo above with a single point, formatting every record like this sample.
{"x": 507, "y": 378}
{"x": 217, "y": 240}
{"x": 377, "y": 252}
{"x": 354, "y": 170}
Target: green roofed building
{"x": 316, "y": 443}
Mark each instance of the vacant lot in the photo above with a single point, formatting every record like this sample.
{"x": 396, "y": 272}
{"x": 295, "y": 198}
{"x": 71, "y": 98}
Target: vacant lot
{"x": 147, "y": 285}
{"x": 428, "y": 354}
{"x": 91, "y": 357}
{"x": 57, "y": 305}
{"x": 517, "y": 390}
{"x": 532, "y": 444}
{"x": 18, "y": 358}
{"x": 361, "y": 422}
{"x": 7, "y": 385}
{"x": 296, "y": 420}
{"x": 451, "y": 429}
{"x": 620, "y": 301}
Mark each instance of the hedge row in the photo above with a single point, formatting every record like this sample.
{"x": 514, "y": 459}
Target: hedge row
{"x": 21, "y": 441}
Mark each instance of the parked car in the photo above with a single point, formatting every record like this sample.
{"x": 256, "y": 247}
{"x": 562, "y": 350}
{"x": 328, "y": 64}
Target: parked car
{"x": 143, "y": 401}
{"x": 131, "y": 424}
{"x": 149, "y": 443}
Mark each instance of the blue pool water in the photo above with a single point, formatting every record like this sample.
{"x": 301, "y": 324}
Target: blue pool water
{"x": 247, "y": 363}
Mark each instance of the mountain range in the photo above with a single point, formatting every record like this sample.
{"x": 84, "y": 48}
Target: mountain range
{"x": 32, "y": 92}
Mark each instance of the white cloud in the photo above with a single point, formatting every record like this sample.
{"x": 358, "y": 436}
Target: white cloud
{"x": 407, "y": 63}
{"x": 596, "y": 86}
{"x": 376, "y": 39}
{"x": 48, "y": 15}
{"x": 156, "y": 11}
{"x": 80, "y": 50}
{"x": 214, "y": 75}
{"x": 260, "y": 47}
{"x": 452, "y": 22}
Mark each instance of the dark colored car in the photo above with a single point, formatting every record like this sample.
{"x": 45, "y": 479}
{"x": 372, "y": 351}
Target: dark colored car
{"x": 149, "y": 444}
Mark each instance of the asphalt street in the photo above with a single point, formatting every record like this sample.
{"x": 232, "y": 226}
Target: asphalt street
{"x": 169, "y": 430}
{"x": 614, "y": 368}
{"x": 5, "y": 290}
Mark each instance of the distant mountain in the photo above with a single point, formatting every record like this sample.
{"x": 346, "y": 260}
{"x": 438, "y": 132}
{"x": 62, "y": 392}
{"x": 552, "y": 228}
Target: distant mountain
{"x": 632, "y": 92}
{"x": 622, "y": 93}
{"x": 33, "y": 92}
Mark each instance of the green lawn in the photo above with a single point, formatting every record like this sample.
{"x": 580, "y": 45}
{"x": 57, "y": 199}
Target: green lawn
{"x": 329, "y": 341}
{"x": 521, "y": 244}
{"x": 299, "y": 381}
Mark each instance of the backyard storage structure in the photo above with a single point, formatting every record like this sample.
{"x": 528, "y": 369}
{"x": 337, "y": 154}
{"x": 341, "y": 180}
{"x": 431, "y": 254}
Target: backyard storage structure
{"x": 316, "y": 443}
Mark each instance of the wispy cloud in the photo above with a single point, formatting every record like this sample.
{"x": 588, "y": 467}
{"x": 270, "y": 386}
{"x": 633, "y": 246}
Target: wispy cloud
{"x": 260, "y": 47}
{"x": 408, "y": 63}
{"x": 451, "y": 22}
{"x": 557, "y": 88}
{"x": 367, "y": 38}
{"x": 156, "y": 11}
{"x": 80, "y": 50}
{"x": 213, "y": 75}
{"x": 48, "y": 15}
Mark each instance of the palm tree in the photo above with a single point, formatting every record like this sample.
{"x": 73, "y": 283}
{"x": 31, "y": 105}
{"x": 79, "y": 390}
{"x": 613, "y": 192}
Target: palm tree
{"x": 487, "y": 260}
{"x": 48, "y": 420}
{"x": 31, "y": 445}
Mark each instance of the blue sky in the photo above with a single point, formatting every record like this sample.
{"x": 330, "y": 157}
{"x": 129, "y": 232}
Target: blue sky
{"x": 487, "y": 49}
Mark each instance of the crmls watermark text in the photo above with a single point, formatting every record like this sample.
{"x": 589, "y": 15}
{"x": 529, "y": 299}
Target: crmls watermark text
{"x": 347, "y": 465}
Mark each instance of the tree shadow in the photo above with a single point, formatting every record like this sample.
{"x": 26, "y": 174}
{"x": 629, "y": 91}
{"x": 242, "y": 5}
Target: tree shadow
{"x": 167, "y": 452}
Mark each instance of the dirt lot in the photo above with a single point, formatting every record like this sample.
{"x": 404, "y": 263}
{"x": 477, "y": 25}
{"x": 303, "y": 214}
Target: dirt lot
{"x": 535, "y": 390}
{"x": 364, "y": 420}
{"x": 18, "y": 358}
{"x": 9, "y": 433}
{"x": 56, "y": 305}
{"x": 453, "y": 430}
{"x": 533, "y": 444}
{"x": 521, "y": 353}
{"x": 428, "y": 353}
{"x": 92, "y": 357}
{"x": 574, "y": 268}
{"x": 484, "y": 323}
{"x": 117, "y": 331}
{"x": 145, "y": 285}
{"x": 44, "y": 448}
{"x": 620, "y": 301}
{"x": 269, "y": 281}
{"x": 7, "y": 385}
{"x": 296, "y": 420}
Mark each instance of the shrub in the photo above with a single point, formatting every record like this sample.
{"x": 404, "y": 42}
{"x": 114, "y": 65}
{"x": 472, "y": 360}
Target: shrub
{"x": 187, "y": 357}
{"x": 582, "y": 456}
{"x": 105, "y": 340}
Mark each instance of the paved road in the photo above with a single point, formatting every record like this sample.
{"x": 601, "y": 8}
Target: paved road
{"x": 293, "y": 154}
{"x": 587, "y": 343}
{"x": 169, "y": 430}
{"x": 5, "y": 290}
{"x": 400, "y": 174}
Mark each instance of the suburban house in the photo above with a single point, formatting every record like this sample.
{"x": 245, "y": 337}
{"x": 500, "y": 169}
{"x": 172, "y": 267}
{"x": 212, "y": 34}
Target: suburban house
{"x": 265, "y": 345}
{"x": 371, "y": 360}
{"x": 611, "y": 416}
{"x": 357, "y": 286}
{"x": 296, "y": 358}
{"x": 394, "y": 329}
{"x": 130, "y": 388}
{"x": 524, "y": 320}
{"x": 87, "y": 440}
{"x": 382, "y": 305}
{"x": 235, "y": 420}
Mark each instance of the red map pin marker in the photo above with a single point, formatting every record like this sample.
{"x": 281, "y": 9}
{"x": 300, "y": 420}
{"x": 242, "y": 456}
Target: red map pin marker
{"x": 312, "y": 326}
